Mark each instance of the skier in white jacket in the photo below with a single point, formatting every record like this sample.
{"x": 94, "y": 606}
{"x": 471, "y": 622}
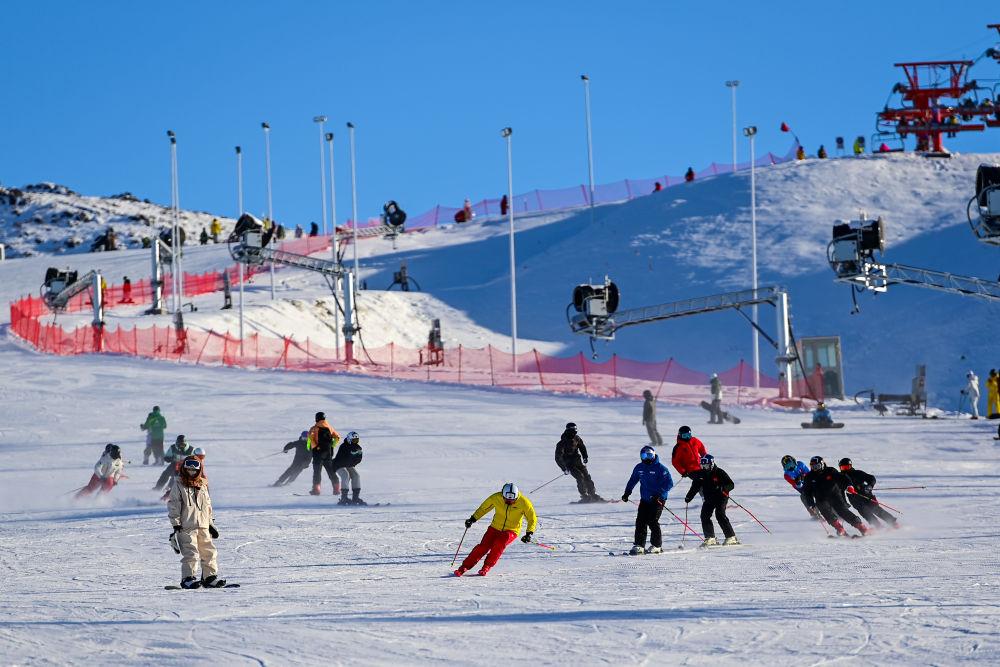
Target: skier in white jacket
{"x": 190, "y": 513}
{"x": 972, "y": 391}
{"x": 106, "y": 473}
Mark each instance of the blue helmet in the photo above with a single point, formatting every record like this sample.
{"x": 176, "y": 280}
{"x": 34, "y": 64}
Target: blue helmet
{"x": 647, "y": 453}
{"x": 707, "y": 462}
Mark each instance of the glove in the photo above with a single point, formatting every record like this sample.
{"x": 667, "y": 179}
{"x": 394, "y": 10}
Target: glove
{"x": 213, "y": 532}
{"x": 851, "y": 490}
{"x": 468, "y": 522}
{"x": 725, "y": 494}
{"x": 527, "y": 537}
{"x": 688, "y": 499}
{"x": 624, "y": 497}
{"x": 173, "y": 540}
{"x": 565, "y": 471}
{"x": 584, "y": 461}
{"x": 660, "y": 501}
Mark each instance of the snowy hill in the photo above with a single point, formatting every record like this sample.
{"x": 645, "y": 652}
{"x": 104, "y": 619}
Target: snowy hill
{"x": 47, "y": 218}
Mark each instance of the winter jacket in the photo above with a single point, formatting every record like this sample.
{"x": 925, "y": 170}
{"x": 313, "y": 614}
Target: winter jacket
{"x": 863, "y": 482}
{"x": 716, "y": 386}
{"x": 190, "y": 507}
{"x": 654, "y": 480}
{"x": 686, "y": 457}
{"x": 508, "y": 517}
{"x": 348, "y": 455}
{"x": 992, "y": 385}
{"x": 972, "y": 388}
{"x": 155, "y": 423}
{"x": 797, "y": 477}
{"x": 822, "y": 416}
{"x": 301, "y": 447}
{"x": 715, "y": 484}
{"x": 570, "y": 449}
{"x": 175, "y": 453}
{"x": 109, "y": 467}
{"x": 649, "y": 411}
{"x": 322, "y": 440}
{"x": 824, "y": 485}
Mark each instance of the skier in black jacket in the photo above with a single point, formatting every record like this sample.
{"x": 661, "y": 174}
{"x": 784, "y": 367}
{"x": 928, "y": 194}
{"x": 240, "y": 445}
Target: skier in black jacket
{"x": 824, "y": 489}
{"x": 301, "y": 461}
{"x": 715, "y": 485}
{"x": 864, "y": 500}
{"x": 571, "y": 457}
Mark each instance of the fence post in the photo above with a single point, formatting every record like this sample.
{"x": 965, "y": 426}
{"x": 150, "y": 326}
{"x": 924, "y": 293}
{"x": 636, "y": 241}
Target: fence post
{"x": 614, "y": 372}
{"x": 307, "y": 353}
{"x": 739, "y": 381}
{"x": 256, "y": 349}
{"x": 586, "y": 195}
{"x": 437, "y": 212}
{"x": 538, "y": 366}
{"x": 135, "y": 340}
{"x": 493, "y": 380}
{"x": 583, "y": 371}
{"x": 225, "y": 349}
{"x": 628, "y": 189}
{"x": 663, "y": 379}
{"x": 460, "y": 363}
{"x": 538, "y": 196}
{"x": 715, "y": 169}
{"x": 392, "y": 357}
{"x": 207, "y": 338}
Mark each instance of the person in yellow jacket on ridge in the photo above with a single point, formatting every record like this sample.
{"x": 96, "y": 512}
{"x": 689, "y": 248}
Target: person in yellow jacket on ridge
{"x": 993, "y": 394}
{"x": 509, "y": 508}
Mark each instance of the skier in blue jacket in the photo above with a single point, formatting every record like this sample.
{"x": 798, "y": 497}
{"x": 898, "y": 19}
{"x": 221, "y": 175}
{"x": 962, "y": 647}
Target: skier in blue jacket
{"x": 795, "y": 474}
{"x": 655, "y": 483}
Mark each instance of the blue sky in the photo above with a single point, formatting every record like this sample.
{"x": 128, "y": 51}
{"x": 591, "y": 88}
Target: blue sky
{"x": 91, "y": 88}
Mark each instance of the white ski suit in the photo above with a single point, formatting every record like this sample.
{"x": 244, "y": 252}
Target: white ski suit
{"x": 190, "y": 508}
{"x": 972, "y": 391}
{"x": 109, "y": 468}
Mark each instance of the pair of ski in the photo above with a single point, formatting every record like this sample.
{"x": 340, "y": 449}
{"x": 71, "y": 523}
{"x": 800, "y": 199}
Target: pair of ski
{"x": 199, "y": 586}
{"x": 309, "y": 495}
{"x": 679, "y": 549}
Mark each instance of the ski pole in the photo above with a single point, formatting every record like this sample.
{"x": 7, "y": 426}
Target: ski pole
{"x": 822, "y": 522}
{"x": 547, "y": 483}
{"x": 74, "y": 490}
{"x": 693, "y": 531}
{"x": 545, "y": 546}
{"x": 270, "y": 455}
{"x": 901, "y": 488}
{"x": 459, "y": 547}
{"x": 684, "y": 533}
{"x": 888, "y": 507}
{"x": 750, "y": 513}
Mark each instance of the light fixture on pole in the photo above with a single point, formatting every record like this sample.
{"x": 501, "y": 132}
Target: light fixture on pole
{"x": 333, "y": 245}
{"x": 267, "y": 171}
{"x": 239, "y": 179}
{"x": 732, "y": 85}
{"x": 505, "y": 133}
{"x": 322, "y": 168}
{"x": 175, "y": 255}
{"x": 750, "y": 132}
{"x": 354, "y": 200}
{"x": 590, "y": 144}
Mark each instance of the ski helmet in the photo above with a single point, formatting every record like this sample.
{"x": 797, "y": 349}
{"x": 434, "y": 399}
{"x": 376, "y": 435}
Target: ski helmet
{"x": 647, "y": 454}
{"x": 510, "y": 492}
{"x": 192, "y": 464}
{"x": 320, "y": 416}
{"x": 684, "y": 432}
{"x": 707, "y": 462}
{"x": 821, "y": 405}
{"x": 788, "y": 462}
{"x": 199, "y": 452}
{"x": 846, "y": 463}
{"x": 179, "y": 440}
{"x": 571, "y": 427}
{"x": 352, "y": 438}
{"x": 304, "y": 435}
{"x": 647, "y": 393}
{"x": 817, "y": 463}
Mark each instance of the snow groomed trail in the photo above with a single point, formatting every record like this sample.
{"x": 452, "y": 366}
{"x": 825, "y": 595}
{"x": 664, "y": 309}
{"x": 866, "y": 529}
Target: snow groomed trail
{"x": 84, "y": 581}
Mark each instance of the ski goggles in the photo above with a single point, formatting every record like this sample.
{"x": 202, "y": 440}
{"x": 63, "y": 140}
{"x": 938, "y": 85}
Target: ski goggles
{"x": 647, "y": 455}
{"x": 789, "y": 467}
{"x": 845, "y": 468}
{"x": 685, "y": 436}
{"x": 192, "y": 464}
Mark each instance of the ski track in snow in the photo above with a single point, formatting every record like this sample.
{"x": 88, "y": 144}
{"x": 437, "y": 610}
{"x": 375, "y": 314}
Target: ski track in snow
{"x": 84, "y": 580}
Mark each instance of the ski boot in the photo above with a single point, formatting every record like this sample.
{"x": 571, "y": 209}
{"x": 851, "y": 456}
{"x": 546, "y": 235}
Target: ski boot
{"x": 839, "y": 527}
{"x": 336, "y": 487}
{"x": 730, "y": 541}
{"x": 863, "y": 529}
{"x": 594, "y": 498}
{"x": 190, "y": 583}
{"x": 637, "y": 550}
{"x": 343, "y": 498}
{"x": 584, "y": 498}
{"x": 212, "y": 581}
{"x": 483, "y": 571}
{"x": 314, "y": 491}
{"x": 460, "y": 571}
{"x": 356, "y": 500}
{"x": 710, "y": 542}
{"x": 655, "y": 550}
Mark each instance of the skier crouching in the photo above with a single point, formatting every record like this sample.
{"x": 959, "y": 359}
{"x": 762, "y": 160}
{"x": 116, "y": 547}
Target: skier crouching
{"x": 509, "y": 508}
{"x": 107, "y": 472}
{"x": 299, "y": 463}
{"x": 190, "y": 513}
{"x": 715, "y": 485}
{"x": 795, "y": 474}
{"x": 571, "y": 457}
{"x": 864, "y": 500}
{"x": 346, "y": 461}
{"x": 824, "y": 488}
{"x": 655, "y": 483}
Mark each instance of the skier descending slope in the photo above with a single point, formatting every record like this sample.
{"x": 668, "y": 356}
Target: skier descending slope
{"x": 509, "y": 507}
{"x": 346, "y": 461}
{"x": 299, "y": 463}
{"x": 715, "y": 485}
{"x": 190, "y": 513}
{"x": 655, "y": 483}
{"x": 571, "y": 457}
{"x": 824, "y": 488}
{"x": 108, "y": 470}
{"x": 795, "y": 474}
{"x": 864, "y": 500}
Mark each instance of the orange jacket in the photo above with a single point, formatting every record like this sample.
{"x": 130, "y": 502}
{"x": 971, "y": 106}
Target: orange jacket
{"x": 318, "y": 444}
{"x": 687, "y": 454}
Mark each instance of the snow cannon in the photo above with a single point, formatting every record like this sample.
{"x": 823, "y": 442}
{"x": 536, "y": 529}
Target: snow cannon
{"x": 393, "y": 216}
{"x": 851, "y": 253}
{"x": 983, "y": 210}
{"x": 594, "y": 305}
{"x": 247, "y": 239}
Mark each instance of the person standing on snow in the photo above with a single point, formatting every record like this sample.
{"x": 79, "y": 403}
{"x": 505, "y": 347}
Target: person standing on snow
{"x": 172, "y": 458}
{"x": 824, "y": 488}
{"x": 687, "y": 453}
{"x": 299, "y": 463}
{"x": 715, "y": 414}
{"x": 972, "y": 392}
{"x": 509, "y": 507}
{"x": 190, "y": 512}
{"x": 155, "y": 424}
{"x": 571, "y": 457}
{"x": 795, "y": 474}
{"x": 715, "y": 485}
{"x": 322, "y": 440}
{"x": 649, "y": 418}
{"x": 993, "y": 395}
{"x": 655, "y": 483}
{"x": 107, "y": 472}
{"x": 864, "y": 500}
{"x": 345, "y": 462}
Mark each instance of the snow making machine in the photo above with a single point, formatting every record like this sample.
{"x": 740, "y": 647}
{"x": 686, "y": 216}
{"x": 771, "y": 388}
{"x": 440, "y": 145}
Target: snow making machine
{"x": 983, "y": 210}
{"x": 60, "y": 287}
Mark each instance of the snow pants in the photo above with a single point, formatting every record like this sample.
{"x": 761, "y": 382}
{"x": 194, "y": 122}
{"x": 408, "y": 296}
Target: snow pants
{"x": 993, "y": 403}
{"x": 318, "y": 465}
{"x": 870, "y": 510}
{"x": 492, "y": 546}
{"x": 648, "y": 516}
{"x": 718, "y": 507}
{"x": 292, "y": 472}
{"x": 584, "y": 484}
{"x": 654, "y": 435}
{"x": 104, "y": 484}
{"x": 197, "y": 547}
{"x": 715, "y": 413}
{"x": 156, "y": 446}
{"x": 165, "y": 476}
{"x": 834, "y": 507}
{"x": 351, "y": 476}
{"x": 148, "y": 450}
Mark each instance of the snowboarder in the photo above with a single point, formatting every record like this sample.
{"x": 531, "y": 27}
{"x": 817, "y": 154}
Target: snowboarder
{"x": 800, "y": 153}
{"x": 299, "y": 463}
{"x": 824, "y": 488}
{"x": 227, "y": 291}
{"x": 687, "y": 453}
{"x": 509, "y": 508}
{"x": 715, "y": 414}
{"x": 993, "y": 395}
{"x": 345, "y": 462}
{"x": 655, "y": 483}
{"x": 107, "y": 472}
{"x": 821, "y": 153}
{"x": 657, "y": 186}
{"x": 859, "y": 146}
{"x": 216, "y": 229}
{"x": 190, "y": 512}
{"x": 155, "y": 423}
{"x": 313, "y": 229}
{"x": 322, "y": 440}
{"x": 504, "y": 204}
{"x": 972, "y": 392}
{"x": 127, "y": 290}
{"x": 795, "y": 474}
{"x": 821, "y": 415}
{"x": 649, "y": 418}
{"x": 203, "y": 237}
{"x": 715, "y": 486}
{"x": 571, "y": 457}
{"x": 689, "y": 175}
{"x": 864, "y": 501}
{"x": 173, "y": 457}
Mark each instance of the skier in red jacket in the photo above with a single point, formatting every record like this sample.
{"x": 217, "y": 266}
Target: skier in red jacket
{"x": 686, "y": 457}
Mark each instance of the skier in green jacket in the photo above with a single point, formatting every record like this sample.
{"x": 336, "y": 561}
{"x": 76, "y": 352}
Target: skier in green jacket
{"x": 154, "y": 425}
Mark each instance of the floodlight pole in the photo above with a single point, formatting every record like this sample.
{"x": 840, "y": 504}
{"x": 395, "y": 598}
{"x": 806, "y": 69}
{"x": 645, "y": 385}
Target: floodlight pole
{"x": 175, "y": 255}
{"x": 322, "y": 168}
{"x": 239, "y": 179}
{"x": 505, "y": 133}
{"x": 267, "y": 170}
{"x": 732, "y": 85}
{"x": 590, "y": 145}
{"x": 333, "y": 246}
{"x": 354, "y": 199}
{"x": 750, "y": 132}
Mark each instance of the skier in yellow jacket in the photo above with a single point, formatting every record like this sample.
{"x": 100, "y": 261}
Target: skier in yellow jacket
{"x": 993, "y": 394}
{"x": 509, "y": 508}
{"x": 190, "y": 513}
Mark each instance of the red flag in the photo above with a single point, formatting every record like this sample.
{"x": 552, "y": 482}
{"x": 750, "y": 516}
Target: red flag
{"x": 785, "y": 128}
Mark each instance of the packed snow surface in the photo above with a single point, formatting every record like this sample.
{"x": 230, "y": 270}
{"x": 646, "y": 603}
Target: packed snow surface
{"x": 84, "y": 580}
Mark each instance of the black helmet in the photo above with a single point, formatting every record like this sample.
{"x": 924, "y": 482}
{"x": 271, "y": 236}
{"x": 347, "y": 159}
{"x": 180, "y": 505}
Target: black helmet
{"x": 787, "y": 461}
{"x": 845, "y": 463}
{"x": 683, "y": 429}
{"x": 320, "y": 416}
{"x": 817, "y": 462}
{"x": 180, "y": 439}
{"x": 571, "y": 426}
